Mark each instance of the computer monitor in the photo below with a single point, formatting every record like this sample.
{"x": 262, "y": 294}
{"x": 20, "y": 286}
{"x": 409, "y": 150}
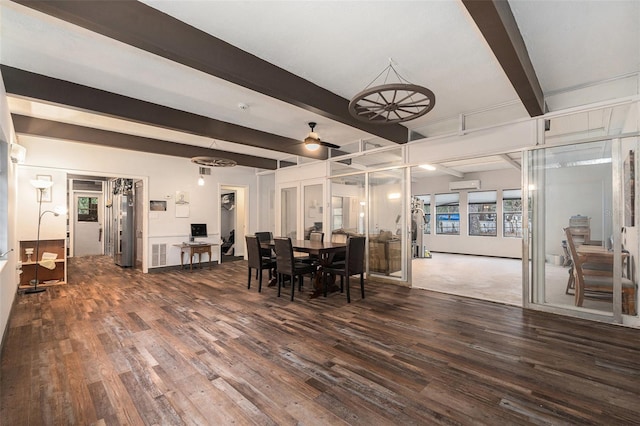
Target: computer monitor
{"x": 198, "y": 230}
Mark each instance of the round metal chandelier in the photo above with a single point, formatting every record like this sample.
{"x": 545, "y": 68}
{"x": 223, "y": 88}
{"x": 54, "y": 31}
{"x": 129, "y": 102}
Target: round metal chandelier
{"x": 390, "y": 103}
{"x": 213, "y": 161}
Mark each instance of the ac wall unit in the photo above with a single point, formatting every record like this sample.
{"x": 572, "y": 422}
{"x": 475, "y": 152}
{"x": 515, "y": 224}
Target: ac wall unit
{"x": 464, "y": 184}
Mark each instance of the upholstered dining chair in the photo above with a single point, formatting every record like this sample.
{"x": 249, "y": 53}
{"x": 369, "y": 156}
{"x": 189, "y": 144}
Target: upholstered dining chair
{"x": 256, "y": 261}
{"x": 316, "y": 236}
{"x": 310, "y": 258}
{"x": 352, "y": 265}
{"x": 265, "y": 237}
{"x": 288, "y": 265}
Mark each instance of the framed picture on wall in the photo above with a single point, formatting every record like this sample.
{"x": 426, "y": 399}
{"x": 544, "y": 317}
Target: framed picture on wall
{"x": 46, "y": 193}
{"x": 157, "y": 206}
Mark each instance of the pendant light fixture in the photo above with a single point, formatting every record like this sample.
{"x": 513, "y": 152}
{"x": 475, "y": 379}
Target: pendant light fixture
{"x": 210, "y": 162}
{"x": 390, "y": 103}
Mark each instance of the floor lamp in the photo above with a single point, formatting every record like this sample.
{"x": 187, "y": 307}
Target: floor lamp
{"x": 41, "y": 186}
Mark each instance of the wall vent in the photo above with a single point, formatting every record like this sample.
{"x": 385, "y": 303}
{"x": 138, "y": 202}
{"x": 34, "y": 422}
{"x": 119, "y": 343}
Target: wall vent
{"x": 158, "y": 254}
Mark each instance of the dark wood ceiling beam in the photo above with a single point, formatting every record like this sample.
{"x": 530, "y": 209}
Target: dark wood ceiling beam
{"x": 499, "y": 28}
{"x": 146, "y": 28}
{"x": 71, "y": 132}
{"x": 36, "y": 86}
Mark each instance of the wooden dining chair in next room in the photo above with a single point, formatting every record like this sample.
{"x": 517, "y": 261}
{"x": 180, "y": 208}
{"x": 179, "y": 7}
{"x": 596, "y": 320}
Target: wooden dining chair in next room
{"x": 288, "y": 265}
{"x": 256, "y": 261}
{"x": 597, "y": 283}
{"x": 353, "y": 265}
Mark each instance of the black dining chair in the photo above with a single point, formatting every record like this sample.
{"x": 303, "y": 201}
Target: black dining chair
{"x": 265, "y": 237}
{"x": 352, "y": 265}
{"x": 256, "y": 261}
{"x": 288, "y": 265}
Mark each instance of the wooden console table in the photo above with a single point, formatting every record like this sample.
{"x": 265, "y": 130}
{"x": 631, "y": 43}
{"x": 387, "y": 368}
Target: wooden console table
{"x": 193, "y": 249}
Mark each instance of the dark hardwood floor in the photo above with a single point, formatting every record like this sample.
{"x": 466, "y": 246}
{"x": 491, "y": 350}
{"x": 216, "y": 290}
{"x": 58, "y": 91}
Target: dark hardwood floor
{"x": 118, "y": 347}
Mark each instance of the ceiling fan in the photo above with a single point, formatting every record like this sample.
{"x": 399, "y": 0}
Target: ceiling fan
{"x": 312, "y": 142}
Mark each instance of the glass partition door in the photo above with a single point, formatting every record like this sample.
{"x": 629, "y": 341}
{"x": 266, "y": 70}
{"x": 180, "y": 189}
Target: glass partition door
{"x": 313, "y": 209}
{"x": 387, "y": 223}
{"x": 288, "y": 212}
{"x": 577, "y": 206}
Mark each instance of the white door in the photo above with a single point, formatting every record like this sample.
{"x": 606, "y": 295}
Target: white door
{"x": 88, "y": 233}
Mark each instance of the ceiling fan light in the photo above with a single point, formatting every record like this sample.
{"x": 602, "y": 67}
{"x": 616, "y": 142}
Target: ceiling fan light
{"x": 311, "y": 144}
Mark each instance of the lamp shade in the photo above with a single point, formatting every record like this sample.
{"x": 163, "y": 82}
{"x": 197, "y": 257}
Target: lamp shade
{"x": 41, "y": 184}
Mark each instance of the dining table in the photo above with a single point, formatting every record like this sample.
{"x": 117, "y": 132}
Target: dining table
{"x": 601, "y": 255}
{"x": 323, "y": 250}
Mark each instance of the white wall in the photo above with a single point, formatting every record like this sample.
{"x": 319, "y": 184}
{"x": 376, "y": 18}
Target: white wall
{"x": 498, "y": 140}
{"x": 489, "y": 246}
{"x": 8, "y": 271}
{"x": 570, "y": 191}
{"x": 165, "y": 175}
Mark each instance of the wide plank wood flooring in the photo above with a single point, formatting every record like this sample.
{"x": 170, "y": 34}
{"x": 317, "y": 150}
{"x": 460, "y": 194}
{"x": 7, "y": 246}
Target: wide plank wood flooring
{"x": 118, "y": 347}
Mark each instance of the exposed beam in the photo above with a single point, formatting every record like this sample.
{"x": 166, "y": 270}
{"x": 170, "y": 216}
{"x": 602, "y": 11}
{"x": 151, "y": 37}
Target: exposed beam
{"x": 146, "y": 28}
{"x": 499, "y": 28}
{"x": 511, "y": 161}
{"x": 448, "y": 171}
{"x": 71, "y": 132}
{"x": 36, "y": 86}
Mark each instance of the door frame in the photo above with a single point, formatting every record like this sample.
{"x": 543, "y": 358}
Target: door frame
{"x": 241, "y": 216}
{"x": 532, "y": 262}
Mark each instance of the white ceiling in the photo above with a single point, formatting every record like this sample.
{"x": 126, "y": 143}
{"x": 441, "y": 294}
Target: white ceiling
{"x": 341, "y": 46}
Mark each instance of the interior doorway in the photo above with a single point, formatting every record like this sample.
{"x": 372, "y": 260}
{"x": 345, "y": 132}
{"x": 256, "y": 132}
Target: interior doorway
{"x": 467, "y": 228}
{"x": 233, "y": 219}
{"x": 86, "y": 214}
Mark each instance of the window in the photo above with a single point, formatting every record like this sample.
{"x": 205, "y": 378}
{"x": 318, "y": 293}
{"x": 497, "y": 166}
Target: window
{"x": 482, "y": 213}
{"x": 512, "y": 213}
{"x": 87, "y": 209}
{"x": 448, "y": 214}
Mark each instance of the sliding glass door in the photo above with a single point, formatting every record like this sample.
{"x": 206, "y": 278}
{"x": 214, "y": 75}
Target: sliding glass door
{"x": 288, "y": 212}
{"x": 584, "y": 236}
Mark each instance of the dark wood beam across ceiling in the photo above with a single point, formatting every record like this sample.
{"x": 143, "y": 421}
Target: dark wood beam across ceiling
{"x": 499, "y": 28}
{"x": 71, "y": 132}
{"x": 52, "y": 90}
{"x": 146, "y": 28}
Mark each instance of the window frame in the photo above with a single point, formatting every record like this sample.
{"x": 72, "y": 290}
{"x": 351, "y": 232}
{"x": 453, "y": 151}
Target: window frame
{"x": 482, "y": 213}
{"x": 452, "y": 215}
{"x": 517, "y": 213}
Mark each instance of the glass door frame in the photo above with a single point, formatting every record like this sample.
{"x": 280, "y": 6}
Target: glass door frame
{"x": 405, "y": 278}
{"x": 299, "y": 187}
{"x": 532, "y": 266}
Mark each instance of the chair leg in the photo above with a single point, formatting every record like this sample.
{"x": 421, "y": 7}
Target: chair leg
{"x": 249, "y": 280}
{"x": 279, "y": 279}
{"x": 341, "y": 284}
{"x": 260, "y": 281}
{"x": 571, "y": 284}
{"x": 348, "y": 292}
{"x": 362, "y": 284}
{"x": 293, "y": 286}
{"x": 300, "y": 282}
